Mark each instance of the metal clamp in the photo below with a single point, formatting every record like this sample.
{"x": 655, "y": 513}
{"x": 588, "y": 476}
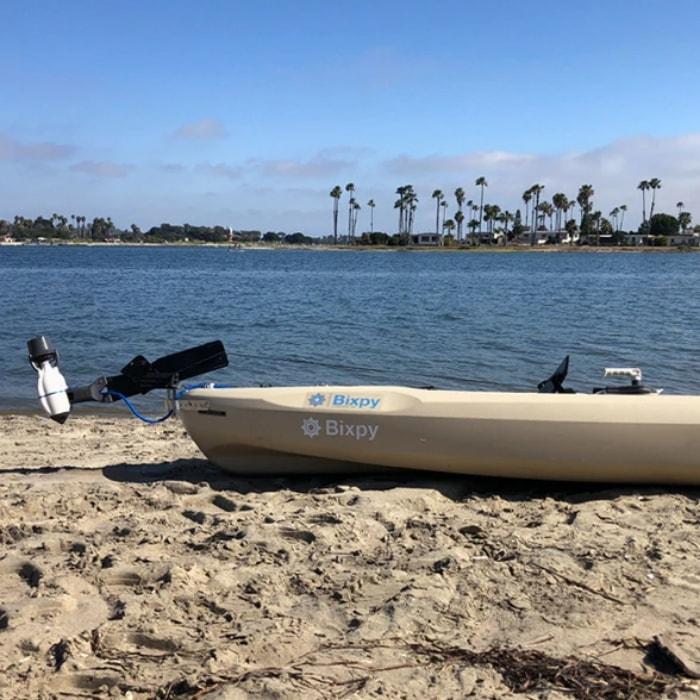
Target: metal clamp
{"x": 634, "y": 373}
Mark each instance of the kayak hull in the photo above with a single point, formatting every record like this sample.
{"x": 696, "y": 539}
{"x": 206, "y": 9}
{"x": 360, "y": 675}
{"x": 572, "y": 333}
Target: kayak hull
{"x": 573, "y": 437}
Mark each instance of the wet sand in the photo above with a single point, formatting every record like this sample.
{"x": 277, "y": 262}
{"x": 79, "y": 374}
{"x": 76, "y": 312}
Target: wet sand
{"x": 131, "y": 568}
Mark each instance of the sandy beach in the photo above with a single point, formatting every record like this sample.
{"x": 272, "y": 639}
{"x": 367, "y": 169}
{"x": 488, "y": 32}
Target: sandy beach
{"x": 131, "y": 568}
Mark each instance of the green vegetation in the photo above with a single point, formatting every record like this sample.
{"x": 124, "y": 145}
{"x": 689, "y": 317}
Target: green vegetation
{"x": 103, "y": 230}
{"x": 663, "y": 225}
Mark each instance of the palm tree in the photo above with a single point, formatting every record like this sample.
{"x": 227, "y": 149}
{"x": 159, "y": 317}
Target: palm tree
{"x": 623, "y": 209}
{"x": 679, "y": 206}
{"x": 355, "y": 211}
{"x": 536, "y": 191}
{"x": 470, "y": 206}
{"x": 644, "y": 186}
{"x": 351, "y": 216}
{"x": 371, "y": 206}
{"x": 585, "y": 194}
{"x": 654, "y": 184}
{"x": 336, "y": 193}
{"x": 488, "y": 215}
{"x": 406, "y": 204}
{"x": 400, "y": 204}
{"x": 411, "y": 215}
{"x": 459, "y": 218}
{"x": 561, "y": 203}
{"x": 411, "y": 206}
{"x": 350, "y": 189}
{"x": 444, "y": 206}
{"x": 491, "y": 215}
{"x": 505, "y": 218}
{"x": 614, "y": 213}
{"x": 684, "y": 219}
{"x": 547, "y": 210}
{"x": 449, "y": 225}
{"x": 438, "y": 196}
{"x": 527, "y": 196}
{"x": 460, "y": 197}
{"x": 481, "y": 182}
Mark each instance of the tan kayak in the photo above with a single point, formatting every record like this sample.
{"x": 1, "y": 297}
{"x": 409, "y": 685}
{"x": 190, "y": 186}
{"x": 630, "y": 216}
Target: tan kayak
{"x": 629, "y": 433}
{"x": 589, "y": 437}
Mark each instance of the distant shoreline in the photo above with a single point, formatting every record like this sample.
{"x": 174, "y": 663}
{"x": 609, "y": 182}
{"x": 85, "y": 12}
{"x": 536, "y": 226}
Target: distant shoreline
{"x": 371, "y": 248}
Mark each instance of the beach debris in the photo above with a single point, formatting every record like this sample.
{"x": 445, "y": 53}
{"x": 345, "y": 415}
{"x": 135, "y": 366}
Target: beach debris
{"x": 59, "y": 653}
{"x": 666, "y": 654}
{"x": 530, "y": 670}
{"x": 224, "y": 503}
{"x": 196, "y": 516}
{"x": 521, "y": 670}
{"x": 578, "y": 584}
{"x": 183, "y": 488}
{"x": 30, "y": 574}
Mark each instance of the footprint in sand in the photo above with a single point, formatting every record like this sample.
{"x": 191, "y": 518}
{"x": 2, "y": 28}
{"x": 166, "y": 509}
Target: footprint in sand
{"x": 133, "y": 578}
{"x": 26, "y": 570}
{"x": 124, "y": 577}
{"x": 301, "y": 535}
{"x": 86, "y": 681}
{"x": 139, "y": 642}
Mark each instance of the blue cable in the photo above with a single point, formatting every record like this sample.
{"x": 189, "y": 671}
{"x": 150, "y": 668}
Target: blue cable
{"x": 182, "y": 392}
{"x": 135, "y": 411}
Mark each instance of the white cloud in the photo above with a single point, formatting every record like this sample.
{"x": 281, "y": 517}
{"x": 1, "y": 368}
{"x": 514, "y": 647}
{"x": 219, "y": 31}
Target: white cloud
{"x": 12, "y": 149}
{"x": 614, "y": 170}
{"x": 318, "y": 166}
{"x": 202, "y": 130}
{"x": 220, "y": 170}
{"x": 103, "y": 168}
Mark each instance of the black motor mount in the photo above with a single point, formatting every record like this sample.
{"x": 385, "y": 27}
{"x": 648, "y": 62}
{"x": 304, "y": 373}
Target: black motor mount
{"x": 141, "y": 376}
{"x": 555, "y": 383}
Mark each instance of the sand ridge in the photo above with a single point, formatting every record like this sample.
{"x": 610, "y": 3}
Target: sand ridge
{"x": 130, "y": 567}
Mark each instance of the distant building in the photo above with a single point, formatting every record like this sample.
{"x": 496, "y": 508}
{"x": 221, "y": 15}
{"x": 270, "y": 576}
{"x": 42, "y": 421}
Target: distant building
{"x": 685, "y": 239}
{"x": 679, "y": 239}
{"x": 425, "y": 239}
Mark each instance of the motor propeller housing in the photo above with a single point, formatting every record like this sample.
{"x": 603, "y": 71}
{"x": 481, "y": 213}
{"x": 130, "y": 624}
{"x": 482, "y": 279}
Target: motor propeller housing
{"x": 51, "y": 386}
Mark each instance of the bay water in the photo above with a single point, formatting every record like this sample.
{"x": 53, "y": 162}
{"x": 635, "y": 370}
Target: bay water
{"x": 472, "y": 321}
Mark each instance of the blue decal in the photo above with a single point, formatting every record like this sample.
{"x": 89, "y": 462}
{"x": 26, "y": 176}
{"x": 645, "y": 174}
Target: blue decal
{"x": 317, "y": 399}
{"x": 354, "y": 401}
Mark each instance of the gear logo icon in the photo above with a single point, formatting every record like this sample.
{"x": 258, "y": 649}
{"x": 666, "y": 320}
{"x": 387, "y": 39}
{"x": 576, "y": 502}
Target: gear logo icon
{"x": 317, "y": 400}
{"x": 311, "y": 427}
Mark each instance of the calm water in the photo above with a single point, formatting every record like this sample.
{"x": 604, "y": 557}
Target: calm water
{"x": 465, "y": 321}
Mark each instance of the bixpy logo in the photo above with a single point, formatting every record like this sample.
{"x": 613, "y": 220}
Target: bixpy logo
{"x": 343, "y": 401}
{"x": 312, "y": 428}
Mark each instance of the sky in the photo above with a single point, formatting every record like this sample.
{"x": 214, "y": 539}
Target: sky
{"x": 246, "y": 114}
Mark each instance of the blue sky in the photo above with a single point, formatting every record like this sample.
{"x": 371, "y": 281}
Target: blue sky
{"x": 246, "y": 114}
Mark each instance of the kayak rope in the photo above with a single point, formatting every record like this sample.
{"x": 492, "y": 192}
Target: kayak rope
{"x": 178, "y": 395}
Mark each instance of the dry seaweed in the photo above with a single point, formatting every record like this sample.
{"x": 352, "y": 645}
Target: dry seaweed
{"x": 522, "y": 671}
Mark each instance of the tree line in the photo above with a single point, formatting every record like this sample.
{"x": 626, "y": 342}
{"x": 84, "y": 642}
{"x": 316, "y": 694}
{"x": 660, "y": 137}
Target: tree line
{"x": 58, "y": 227}
{"x": 476, "y": 221}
